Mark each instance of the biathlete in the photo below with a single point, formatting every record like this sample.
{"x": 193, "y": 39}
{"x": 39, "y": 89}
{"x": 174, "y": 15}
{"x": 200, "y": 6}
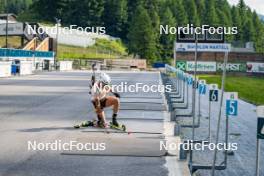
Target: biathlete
{"x": 101, "y": 98}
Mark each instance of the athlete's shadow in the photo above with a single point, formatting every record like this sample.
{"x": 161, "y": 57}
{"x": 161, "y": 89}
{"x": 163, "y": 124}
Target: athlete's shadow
{"x": 46, "y": 129}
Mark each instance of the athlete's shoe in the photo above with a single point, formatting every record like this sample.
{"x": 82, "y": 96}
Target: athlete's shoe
{"x": 114, "y": 122}
{"x": 101, "y": 124}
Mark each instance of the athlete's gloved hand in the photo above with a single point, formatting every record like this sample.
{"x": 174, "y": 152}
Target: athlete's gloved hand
{"x": 116, "y": 94}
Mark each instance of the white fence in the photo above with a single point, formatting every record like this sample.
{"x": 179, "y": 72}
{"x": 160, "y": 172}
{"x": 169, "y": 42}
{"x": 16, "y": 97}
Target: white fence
{"x": 25, "y": 68}
{"x": 65, "y": 65}
{"x": 5, "y": 69}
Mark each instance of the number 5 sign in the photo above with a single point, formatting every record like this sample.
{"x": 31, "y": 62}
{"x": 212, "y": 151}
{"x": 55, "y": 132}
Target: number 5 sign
{"x": 231, "y": 103}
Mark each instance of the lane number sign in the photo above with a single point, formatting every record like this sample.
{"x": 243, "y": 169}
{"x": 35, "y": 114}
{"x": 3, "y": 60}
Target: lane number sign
{"x": 190, "y": 80}
{"x": 213, "y": 92}
{"x": 260, "y": 114}
{"x": 231, "y": 103}
{"x": 202, "y": 87}
{"x": 260, "y": 131}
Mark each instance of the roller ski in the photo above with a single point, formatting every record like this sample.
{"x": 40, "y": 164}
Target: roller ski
{"x": 119, "y": 127}
{"x": 87, "y": 123}
{"x": 115, "y": 125}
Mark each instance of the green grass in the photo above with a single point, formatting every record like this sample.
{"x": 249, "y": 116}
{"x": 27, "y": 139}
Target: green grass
{"x": 13, "y": 42}
{"x": 103, "y": 49}
{"x": 72, "y": 52}
{"x": 249, "y": 88}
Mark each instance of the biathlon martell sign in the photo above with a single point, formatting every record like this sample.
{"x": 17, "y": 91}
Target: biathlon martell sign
{"x": 203, "y": 47}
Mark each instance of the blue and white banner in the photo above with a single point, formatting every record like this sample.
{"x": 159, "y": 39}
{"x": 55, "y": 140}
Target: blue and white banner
{"x": 203, "y": 47}
{"x": 17, "y": 53}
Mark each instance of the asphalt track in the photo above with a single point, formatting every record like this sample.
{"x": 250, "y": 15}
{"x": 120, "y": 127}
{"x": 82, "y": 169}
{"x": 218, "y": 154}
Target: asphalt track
{"x": 45, "y": 107}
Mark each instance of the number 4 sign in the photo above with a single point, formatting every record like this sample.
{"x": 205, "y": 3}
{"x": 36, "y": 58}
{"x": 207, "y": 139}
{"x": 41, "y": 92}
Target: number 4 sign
{"x": 260, "y": 132}
{"x": 231, "y": 103}
{"x": 260, "y": 114}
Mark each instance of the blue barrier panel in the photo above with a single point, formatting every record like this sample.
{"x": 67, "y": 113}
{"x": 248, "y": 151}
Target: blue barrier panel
{"x": 158, "y": 65}
{"x": 14, "y": 69}
{"x": 24, "y": 53}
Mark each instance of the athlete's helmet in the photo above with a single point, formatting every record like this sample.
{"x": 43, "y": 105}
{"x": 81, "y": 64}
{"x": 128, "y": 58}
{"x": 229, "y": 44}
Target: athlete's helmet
{"x": 105, "y": 78}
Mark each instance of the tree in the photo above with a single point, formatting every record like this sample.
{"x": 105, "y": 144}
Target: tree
{"x": 224, "y": 7}
{"x": 200, "y": 4}
{"x": 191, "y": 10}
{"x": 152, "y": 9}
{"x": 47, "y": 10}
{"x": 179, "y": 13}
{"x": 257, "y": 25}
{"x": 131, "y": 8}
{"x": 2, "y": 6}
{"x": 242, "y": 8}
{"x": 167, "y": 40}
{"x": 259, "y": 42}
{"x": 115, "y": 17}
{"x": 249, "y": 35}
{"x": 211, "y": 15}
{"x": 95, "y": 12}
{"x": 237, "y": 22}
{"x": 141, "y": 36}
{"x": 83, "y": 12}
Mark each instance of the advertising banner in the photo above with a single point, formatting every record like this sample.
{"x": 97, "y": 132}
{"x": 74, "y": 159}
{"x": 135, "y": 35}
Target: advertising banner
{"x": 203, "y": 47}
{"x": 255, "y": 67}
{"x": 13, "y": 29}
{"x": 201, "y": 66}
{"x": 235, "y": 67}
{"x": 181, "y": 65}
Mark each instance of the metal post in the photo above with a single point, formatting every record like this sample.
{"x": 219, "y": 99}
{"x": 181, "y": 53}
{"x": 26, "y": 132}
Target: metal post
{"x": 58, "y": 21}
{"x": 220, "y": 112}
{"x": 6, "y": 39}
{"x": 193, "y": 99}
{"x": 174, "y": 55}
{"x": 199, "y": 107}
{"x": 209, "y": 121}
{"x": 257, "y": 158}
{"x": 183, "y": 89}
{"x": 226, "y": 138}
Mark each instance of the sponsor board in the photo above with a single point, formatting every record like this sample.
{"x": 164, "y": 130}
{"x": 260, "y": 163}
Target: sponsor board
{"x": 201, "y": 66}
{"x": 255, "y": 67}
{"x": 203, "y": 47}
{"x": 18, "y": 53}
{"x": 231, "y": 103}
{"x": 236, "y": 67}
{"x": 181, "y": 65}
{"x": 213, "y": 92}
{"x": 260, "y": 111}
{"x": 202, "y": 87}
{"x": 13, "y": 29}
{"x": 260, "y": 130}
